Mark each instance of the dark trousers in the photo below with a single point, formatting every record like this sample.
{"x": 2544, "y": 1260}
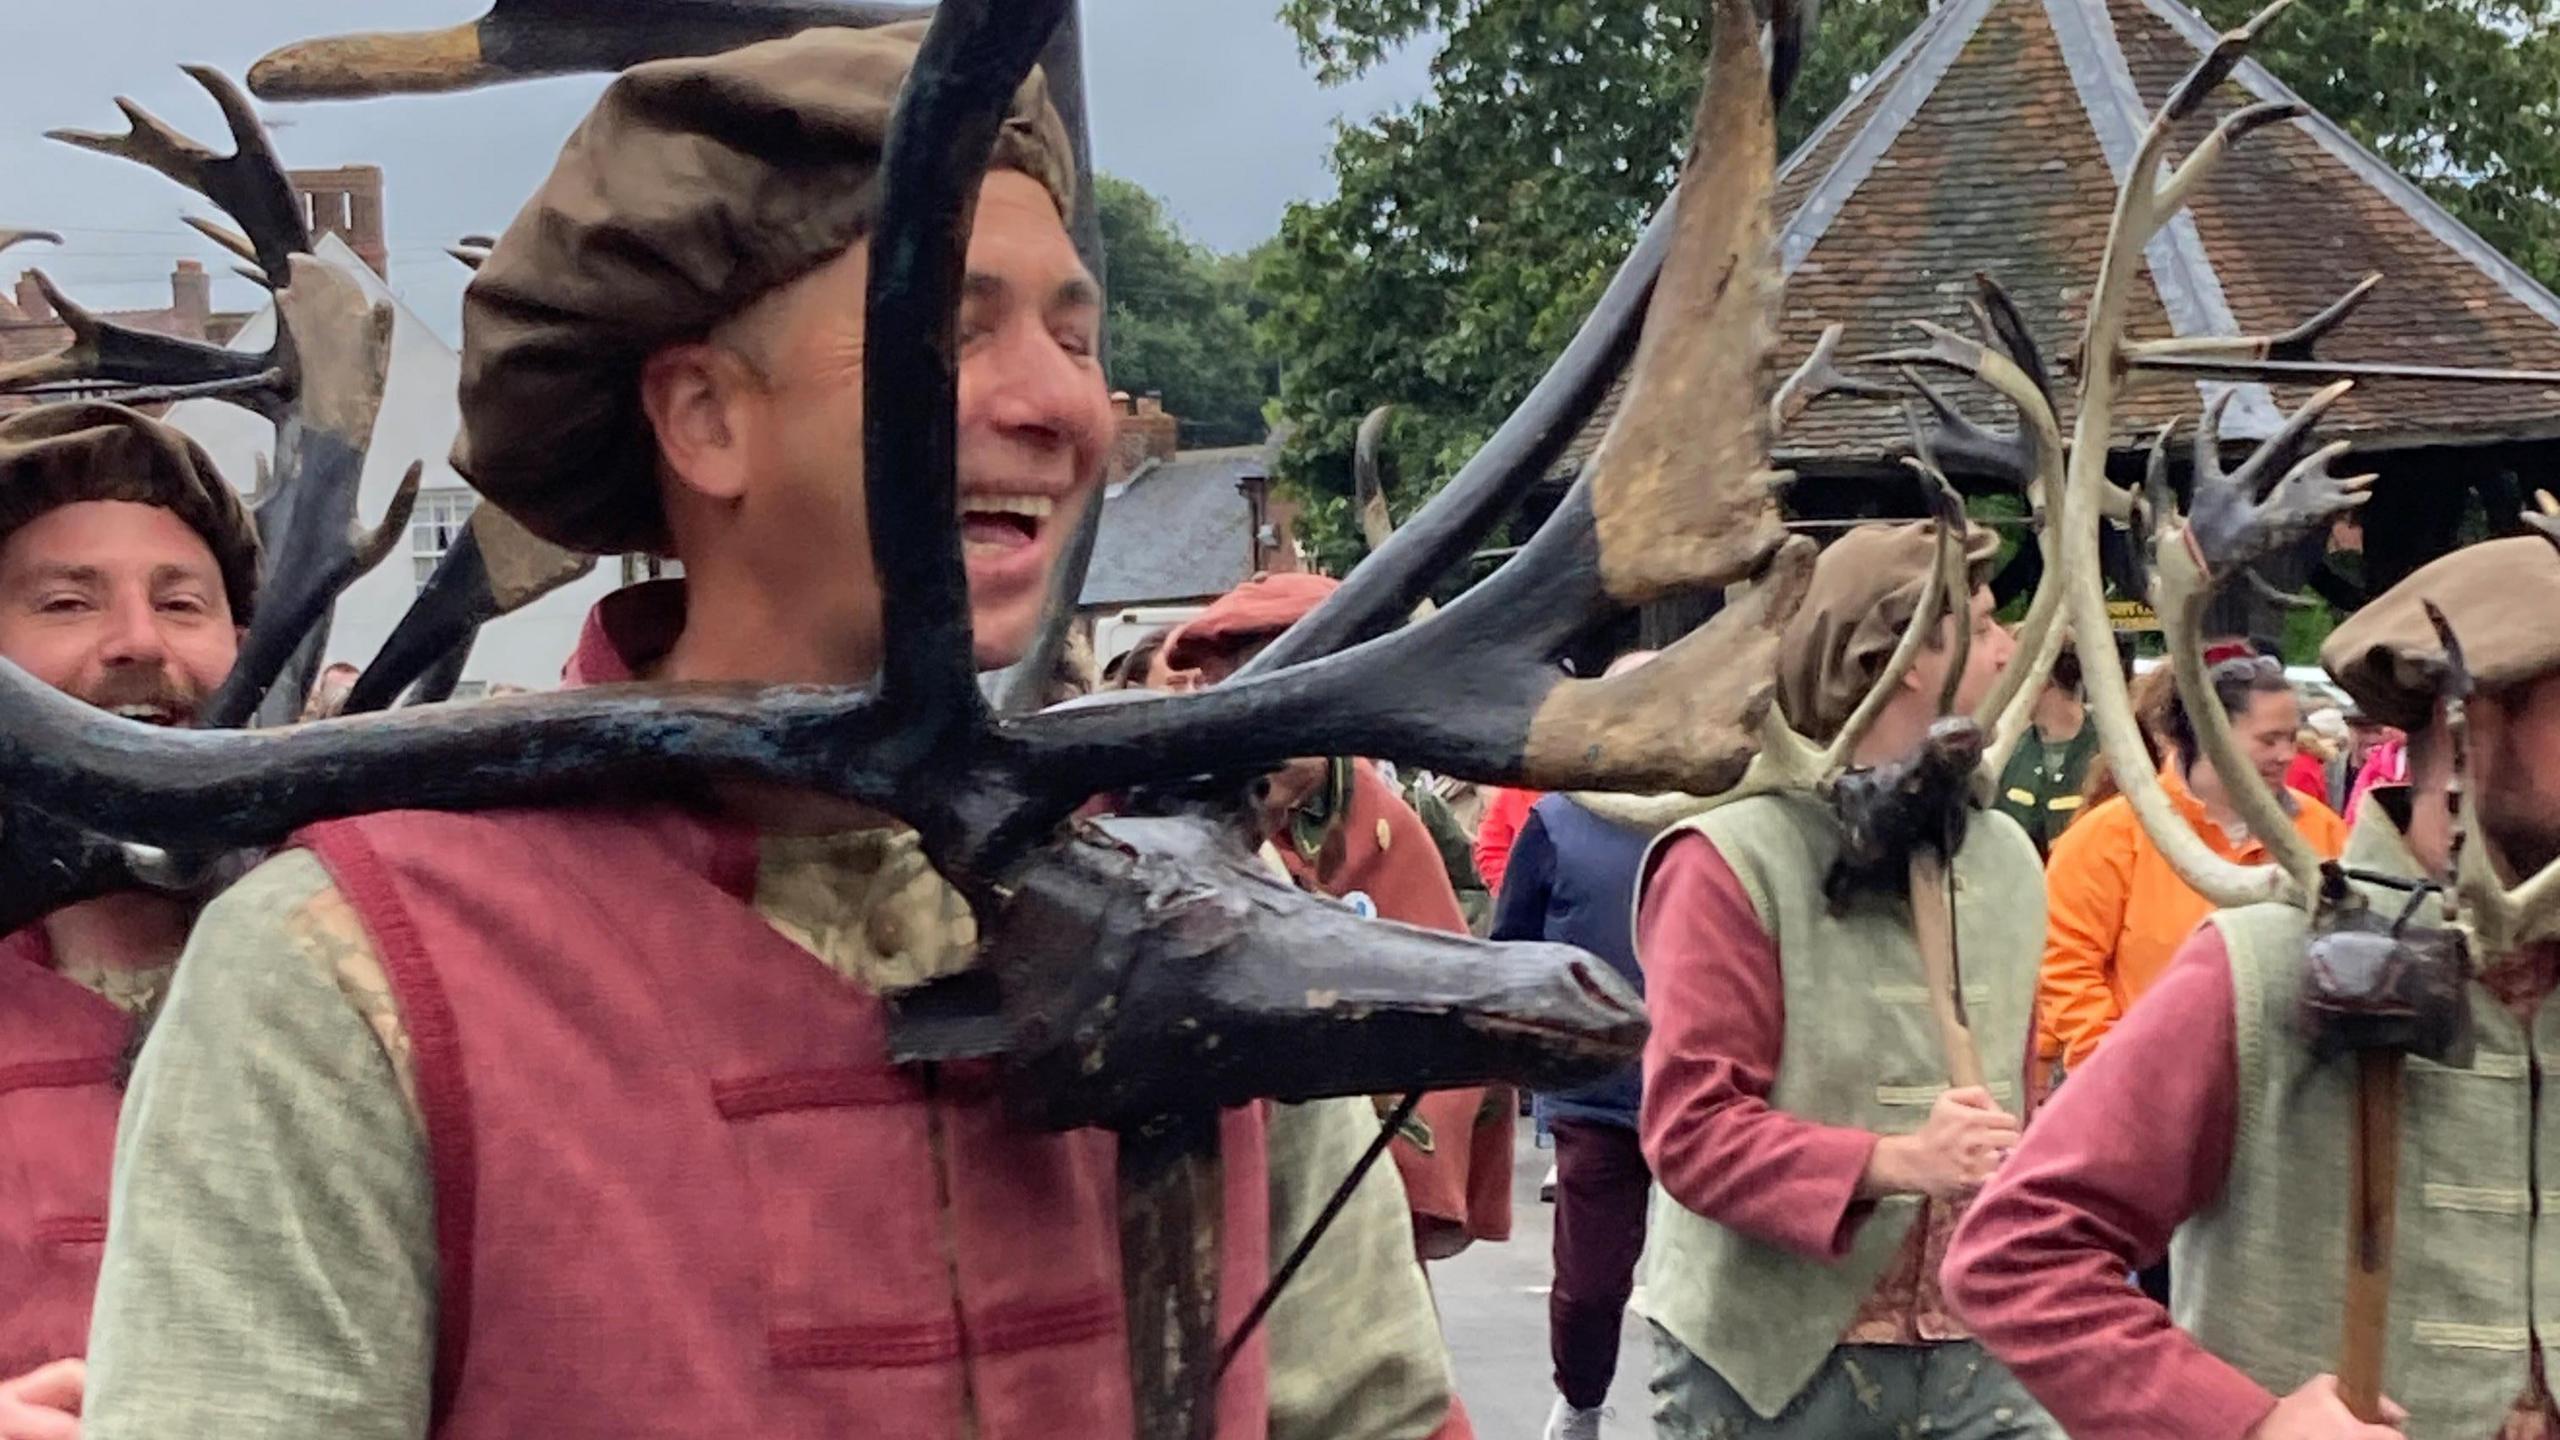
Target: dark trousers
{"x": 1602, "y": 1186}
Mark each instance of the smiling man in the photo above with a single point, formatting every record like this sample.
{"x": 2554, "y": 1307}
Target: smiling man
{"x": 127, "y": 567}
{"x": 581, "y": 1123}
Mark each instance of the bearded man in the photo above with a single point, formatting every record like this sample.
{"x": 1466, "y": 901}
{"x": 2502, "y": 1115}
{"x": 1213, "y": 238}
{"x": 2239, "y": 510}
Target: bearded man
{"x": 2205, "y": 1131}
{"x": 127, "y": 569}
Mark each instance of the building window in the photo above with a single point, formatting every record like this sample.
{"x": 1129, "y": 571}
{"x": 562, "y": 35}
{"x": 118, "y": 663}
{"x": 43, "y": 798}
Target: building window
{"x": 435, "y": 524}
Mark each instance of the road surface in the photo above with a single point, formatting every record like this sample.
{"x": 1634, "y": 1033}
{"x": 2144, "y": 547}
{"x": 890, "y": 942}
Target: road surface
{"x": 1493, "y": 1304}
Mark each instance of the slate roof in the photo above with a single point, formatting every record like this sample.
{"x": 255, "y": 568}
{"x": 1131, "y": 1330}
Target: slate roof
{"x": 1991, "y": 141}
{"x": 1176, "y": 530}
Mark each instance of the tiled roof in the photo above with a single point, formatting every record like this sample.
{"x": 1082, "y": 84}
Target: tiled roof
{"x": 1178, "y": 529}
{"x": 1989, "y": 142}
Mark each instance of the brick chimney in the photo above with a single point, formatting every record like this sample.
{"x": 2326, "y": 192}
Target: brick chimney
{"x": 191, "y": 297}
{"x": 31, "y": 301}
{"x": 347, "y": 202}
{"x": 1146, "y": 433}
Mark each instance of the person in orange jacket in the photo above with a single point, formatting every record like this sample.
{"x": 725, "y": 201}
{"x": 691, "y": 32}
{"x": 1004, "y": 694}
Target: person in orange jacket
{"x": 2116, "y": 910}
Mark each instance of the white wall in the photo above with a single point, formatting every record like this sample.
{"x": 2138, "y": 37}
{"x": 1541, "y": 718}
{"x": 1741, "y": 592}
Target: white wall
{"x": 417, "y": 422}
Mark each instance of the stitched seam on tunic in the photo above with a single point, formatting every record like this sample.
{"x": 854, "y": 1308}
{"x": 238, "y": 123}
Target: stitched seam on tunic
{"x": 839, "y": 1089}
{"x": 2481, "y": 1199}
{"x": 2484, "y": 1066}
{"x": 58, "y": 1074}
{"x": 2455, "y": 1335}
{"x": 71, "y": 1230}
{"x": 883, "y": 1346}
{"x": 444, "y": 1090}
{"x": 844, "y": 1088}
{"x": 1030, "y": 1327}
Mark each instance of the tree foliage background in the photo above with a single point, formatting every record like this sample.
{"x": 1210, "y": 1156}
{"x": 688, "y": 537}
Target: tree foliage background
{"x": 1182, "y": 320}
{"x": 1473, "y": 229}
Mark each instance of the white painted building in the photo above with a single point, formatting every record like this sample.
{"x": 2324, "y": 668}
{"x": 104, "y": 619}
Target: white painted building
{"x": 418, "y": 420}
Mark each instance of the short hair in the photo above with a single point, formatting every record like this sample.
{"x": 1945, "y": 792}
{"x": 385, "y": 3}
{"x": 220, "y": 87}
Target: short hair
{"x": 2066, "y": 671}
{"x": 1128, "y": 669}
{"x": 2236, "y": 686}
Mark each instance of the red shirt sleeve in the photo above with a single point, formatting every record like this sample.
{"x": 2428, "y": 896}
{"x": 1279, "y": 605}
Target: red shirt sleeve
{"x": 2137, "y": 1140}
{"x": 1719, "y": 1017}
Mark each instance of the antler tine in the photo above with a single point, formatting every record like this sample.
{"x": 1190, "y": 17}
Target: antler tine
{"x": 2229, "y": 49}
{"x": 2276, "y": 496}
{"x": 373, "y": 546}
{"x": 1819, "y": 377}
{"x": 1726, "y": 499}
{"x": 2544, "y": 520}
{"x": 105, "y": 353}
{"x": 249, "y": 183}
{"x": 2500, "y": 919}
{"x": 224, "y": 236}
{"x": 229, "y": 789}
{"x": 307, "y": 520}
{"x": 2004, "y": 327}
{"x": 494, "y": 567}
{"x": 529, "y": 39}
{"x": 2231, "y": 524}
{"x": 10, "y": 237}
{"x": 2037, "y": 451}
{"x": 2296, "y": 346}
{"x": 1368, "y": 491}
{"x": 2201, "y": 161}
{"x": 939, "y": 142}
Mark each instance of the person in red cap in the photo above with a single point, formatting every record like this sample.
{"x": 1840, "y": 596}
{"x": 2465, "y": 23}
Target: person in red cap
{"x": 1340, "y": 828}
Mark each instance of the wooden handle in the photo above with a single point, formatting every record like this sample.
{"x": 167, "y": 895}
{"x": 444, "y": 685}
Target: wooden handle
{"x": 1933, "y": 924}
{"x": 2371, "y": 1228}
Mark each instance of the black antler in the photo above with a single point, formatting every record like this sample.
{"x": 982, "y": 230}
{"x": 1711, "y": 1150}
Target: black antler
{"x": 251, "y": 187}
{"x": 315, "y": 546}
{"x": 494, "y": 567}
{"x": 249, "y": 183}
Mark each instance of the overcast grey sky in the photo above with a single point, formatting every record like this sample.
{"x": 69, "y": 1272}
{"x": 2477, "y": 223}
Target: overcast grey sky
{"x": 1203, "y": 101}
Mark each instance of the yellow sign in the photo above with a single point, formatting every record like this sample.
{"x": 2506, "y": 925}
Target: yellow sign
{"x": 2131, "y": 615}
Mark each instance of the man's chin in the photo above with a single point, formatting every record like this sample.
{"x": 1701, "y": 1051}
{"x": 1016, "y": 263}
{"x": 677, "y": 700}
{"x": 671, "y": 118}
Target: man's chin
{"x": 1001, "y": 640}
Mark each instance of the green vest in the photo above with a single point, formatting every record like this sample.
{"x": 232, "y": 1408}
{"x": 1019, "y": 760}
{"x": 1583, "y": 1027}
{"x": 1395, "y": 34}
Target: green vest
{"x": 2261, "y": 1273}
{"x": 1861, "y": 1049}
{"x": 2041, "y": 788}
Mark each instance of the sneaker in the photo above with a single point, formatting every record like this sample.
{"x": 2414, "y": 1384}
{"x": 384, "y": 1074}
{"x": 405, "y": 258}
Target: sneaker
{"x": 1547, "y": 1194}
{"x": 1567, "y": 1423}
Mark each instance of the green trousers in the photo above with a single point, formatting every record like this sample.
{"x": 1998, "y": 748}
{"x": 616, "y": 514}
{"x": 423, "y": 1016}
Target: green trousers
{"x": 1947, "y": 1391}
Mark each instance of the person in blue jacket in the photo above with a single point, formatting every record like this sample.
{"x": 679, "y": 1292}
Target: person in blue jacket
{"x": 1572, "y": 878}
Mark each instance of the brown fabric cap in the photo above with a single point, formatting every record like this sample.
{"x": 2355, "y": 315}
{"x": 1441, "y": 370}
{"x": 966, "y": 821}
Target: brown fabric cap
{"x": 695, "y": 187}
{"x": 1257, "y": 610}
{"x": 1865, "y": 588}
{"x": 2503, "y": 600}
{"x": 57, "y": 455}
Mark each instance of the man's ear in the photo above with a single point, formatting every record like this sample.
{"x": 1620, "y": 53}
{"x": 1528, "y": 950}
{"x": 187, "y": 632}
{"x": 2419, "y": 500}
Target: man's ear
{"x": 696, "y": 398}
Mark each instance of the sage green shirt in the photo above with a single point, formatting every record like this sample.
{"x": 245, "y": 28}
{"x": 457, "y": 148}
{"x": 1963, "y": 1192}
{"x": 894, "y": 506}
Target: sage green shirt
{"x": 271, "y": 1270}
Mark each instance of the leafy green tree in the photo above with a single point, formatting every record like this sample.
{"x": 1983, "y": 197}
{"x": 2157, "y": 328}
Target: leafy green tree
{"x": 1181, "y": 320}
{"x": 1474, "y": 228}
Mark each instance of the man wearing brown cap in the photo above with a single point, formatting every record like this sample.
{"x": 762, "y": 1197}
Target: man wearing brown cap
{"x": 2205, "y": 1117}
{"x": 582, "y": 1123}
{"x": 127, "y": 567}
{"x": 1341, "y": 829}
{"x": 1808, "y": 1153}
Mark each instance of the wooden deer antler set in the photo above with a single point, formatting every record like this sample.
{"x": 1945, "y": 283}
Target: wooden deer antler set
{"x": 1140, "y": 970}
